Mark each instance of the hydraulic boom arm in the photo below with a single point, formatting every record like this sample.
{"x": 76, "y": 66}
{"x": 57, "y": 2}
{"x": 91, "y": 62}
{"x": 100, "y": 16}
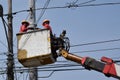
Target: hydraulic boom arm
{"x": 105, "y": 66}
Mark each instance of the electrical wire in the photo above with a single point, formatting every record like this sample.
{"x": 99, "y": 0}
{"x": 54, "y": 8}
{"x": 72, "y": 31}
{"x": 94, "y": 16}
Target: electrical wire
{"x": 105, "y": 49}
{"x": 48, "y": 75}
{"x": 100, "y": 4}
{"x": 77, "y": 5}
{"x": 99, "y": 42}
{"x": 69, "y": 6}
{"x": 109, "y": 49}
{"x": 27, "y": 70}
{"x": 5, "y": 30}
{"x": 87, "y": 2}
{"x": 74, "y": 3}
{"x": 22, "y": 69}
{"x": 43, "y": 11}
{"x": 54, "y": 66}
{"x": 61, "y": 65}
{"x": 62, "y": 69}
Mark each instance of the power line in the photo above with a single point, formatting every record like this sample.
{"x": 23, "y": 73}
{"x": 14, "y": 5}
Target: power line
{"x": 55, "y": 66}
{"x": 100, "y": 4}
{"x": 97, "y": 50}
{"x": 27, "y": 70}
{"x": 79, "y": 5}
{"x": 74, "y": 3}
{"x": 87, "y": 2}
{"x": 48, "y": 75}
{"x": 43, "y": 10}
{"x": 5, "y": 29}
{"x": 105, "y": 49}
{"x": 92, "y": 43}
{"x": 69, "y": 6}
{"x": 50, "y": 66}
{"x": 60, "y": 70}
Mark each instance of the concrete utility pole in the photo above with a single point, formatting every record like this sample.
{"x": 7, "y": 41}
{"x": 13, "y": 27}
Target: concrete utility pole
{"x": 33, "y": 74}
{"x": 10, "y": 59}
{"x": 32, "y": 18}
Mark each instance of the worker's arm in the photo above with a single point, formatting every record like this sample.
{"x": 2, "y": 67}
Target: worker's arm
{"x": 23, "y": 28}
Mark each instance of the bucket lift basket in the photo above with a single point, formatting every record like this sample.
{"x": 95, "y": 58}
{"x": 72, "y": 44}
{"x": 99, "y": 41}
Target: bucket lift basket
{"x": 34, "y": 48}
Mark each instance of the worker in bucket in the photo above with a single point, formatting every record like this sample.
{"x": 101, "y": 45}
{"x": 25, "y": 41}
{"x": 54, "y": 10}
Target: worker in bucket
{"x": 46, "y": 25}
{"x": 24, "y": 26}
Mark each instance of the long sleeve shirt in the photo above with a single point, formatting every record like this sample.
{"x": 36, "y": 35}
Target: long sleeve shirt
{"x": 23, "y": 28}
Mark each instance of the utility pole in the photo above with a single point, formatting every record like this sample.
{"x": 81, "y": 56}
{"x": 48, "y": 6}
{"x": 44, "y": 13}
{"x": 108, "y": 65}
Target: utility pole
{"x": 10, "y": 59}
{"x": 32, "y": 18}
{"x": 33, "y": 74}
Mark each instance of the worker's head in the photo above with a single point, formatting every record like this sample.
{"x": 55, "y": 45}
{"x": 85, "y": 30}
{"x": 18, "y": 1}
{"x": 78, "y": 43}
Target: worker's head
{"x": 46, "y": 21}
{"x": 24, "y": 22}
